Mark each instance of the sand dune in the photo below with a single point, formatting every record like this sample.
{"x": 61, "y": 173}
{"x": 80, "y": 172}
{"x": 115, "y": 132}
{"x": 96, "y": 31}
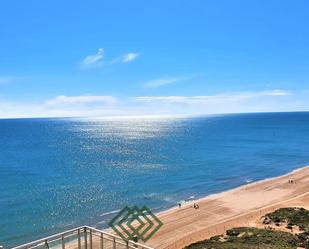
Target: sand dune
{"x": 242, "y": 206}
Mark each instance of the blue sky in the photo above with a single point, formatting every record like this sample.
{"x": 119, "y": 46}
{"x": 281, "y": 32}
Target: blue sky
{"x": 102, "y": 58}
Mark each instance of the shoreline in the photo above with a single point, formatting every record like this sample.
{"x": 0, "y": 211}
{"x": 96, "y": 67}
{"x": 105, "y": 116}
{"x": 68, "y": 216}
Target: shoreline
{"x": 240, "y": 206}
{"x": 253, "y": 183}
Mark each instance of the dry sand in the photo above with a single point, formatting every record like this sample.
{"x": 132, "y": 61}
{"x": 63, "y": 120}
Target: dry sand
{"x": 242, "y": 206}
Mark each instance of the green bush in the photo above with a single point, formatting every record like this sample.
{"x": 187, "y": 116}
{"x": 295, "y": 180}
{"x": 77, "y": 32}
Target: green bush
{"x": 254, "y": 238}
{"x": 245, "y": 238}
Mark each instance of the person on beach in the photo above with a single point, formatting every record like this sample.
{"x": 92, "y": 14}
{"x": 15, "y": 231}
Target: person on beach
{"x": 196, "y": 206}
{"x": 179, "y": 205}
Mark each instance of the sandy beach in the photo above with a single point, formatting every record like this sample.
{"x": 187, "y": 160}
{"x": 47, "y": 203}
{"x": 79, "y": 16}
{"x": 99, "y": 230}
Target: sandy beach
{"x": 242, "y": 206}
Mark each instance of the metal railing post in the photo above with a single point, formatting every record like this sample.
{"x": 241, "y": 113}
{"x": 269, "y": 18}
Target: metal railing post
{"x": 90, "y": 239}
{"x": 101, "y": 244}
{"x": 114, "y": 243}
{"x": 85, "y": 237}
{"x": 62, "y": 241}
{"x": 46, "y": 244}
{"x": 78, "y": 237}
{"x": 127, "y": 244}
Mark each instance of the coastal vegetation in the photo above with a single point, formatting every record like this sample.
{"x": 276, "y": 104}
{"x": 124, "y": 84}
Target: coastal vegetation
{"x": 248, "y": 237}
{"x": 291, "y": 217}
{"x": 294, "y": 220}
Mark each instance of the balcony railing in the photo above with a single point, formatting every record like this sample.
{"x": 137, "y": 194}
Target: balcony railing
{"x": 82, "y": 238}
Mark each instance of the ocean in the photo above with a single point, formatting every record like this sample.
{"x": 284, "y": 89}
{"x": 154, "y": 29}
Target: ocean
{"x": 56, "y": 174}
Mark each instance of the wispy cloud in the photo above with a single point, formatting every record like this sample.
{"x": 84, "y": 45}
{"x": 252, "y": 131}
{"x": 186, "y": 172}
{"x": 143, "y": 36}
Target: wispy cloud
{"x": 129, "y": 57}
{"x": 125, "y": 58}
{"x": 223, "y": 97}
{"x": 164, "y": 81}
{"x": 105, "y": 105}
{"x": 278, "y": 92}
{"x": 93, "y": 59}
{"x": 81, "y": 100}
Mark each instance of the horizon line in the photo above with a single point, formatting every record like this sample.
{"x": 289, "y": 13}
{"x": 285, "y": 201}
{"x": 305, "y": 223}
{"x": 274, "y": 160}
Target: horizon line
{"x": 168, "y": 116}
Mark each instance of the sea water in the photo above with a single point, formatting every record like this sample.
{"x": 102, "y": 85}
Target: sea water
{"x": 57, "y": 174}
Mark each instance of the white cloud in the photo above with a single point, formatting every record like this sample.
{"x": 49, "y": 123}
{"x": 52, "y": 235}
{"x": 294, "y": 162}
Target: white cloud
{"x": 125, "y": 58}
{"x": 234, "y": 102}
{"x": 129, "y": 57}
{"x": 223, "y": 97}
{"x": 94, "y": 59}
{"x": 81, "y": 100}
{"x": 278, "y": 92}
{"x": 104, "y": 105}
{"x": 163, "y": 81}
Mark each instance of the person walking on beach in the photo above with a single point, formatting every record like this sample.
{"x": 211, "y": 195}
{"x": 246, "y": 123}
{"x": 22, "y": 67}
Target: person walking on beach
{"x": 179, "y": 205}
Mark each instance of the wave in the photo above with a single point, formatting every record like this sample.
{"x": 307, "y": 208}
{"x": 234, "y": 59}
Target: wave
{"x": 111, "y": 212}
